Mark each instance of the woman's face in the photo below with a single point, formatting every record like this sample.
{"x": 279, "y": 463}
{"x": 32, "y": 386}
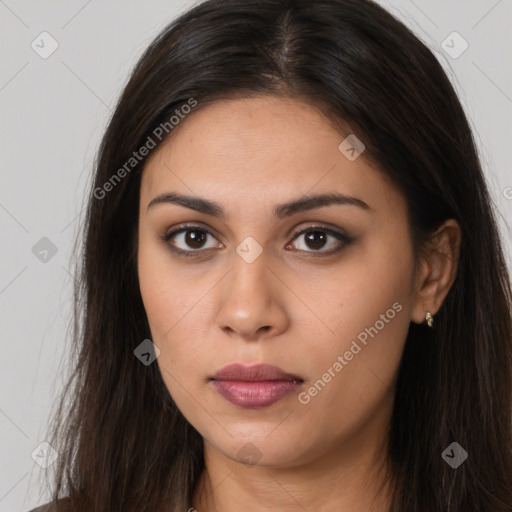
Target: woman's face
{"x": 325, "y": 292}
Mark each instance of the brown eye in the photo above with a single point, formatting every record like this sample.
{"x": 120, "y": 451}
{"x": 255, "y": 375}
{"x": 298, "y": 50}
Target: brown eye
{"x": 321, "y": 240}
{"x": 188, "y": 240}
{"x": 316, "y": 239}
{"x": 195, "y": 238}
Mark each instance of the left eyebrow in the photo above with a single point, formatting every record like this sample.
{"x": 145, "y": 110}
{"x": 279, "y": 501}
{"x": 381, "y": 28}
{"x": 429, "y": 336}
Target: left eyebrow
{"x": 281, "y": 211}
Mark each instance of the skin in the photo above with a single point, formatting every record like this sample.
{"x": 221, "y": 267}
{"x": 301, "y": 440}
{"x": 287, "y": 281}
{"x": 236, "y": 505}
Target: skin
{"x": 285, "y": 308}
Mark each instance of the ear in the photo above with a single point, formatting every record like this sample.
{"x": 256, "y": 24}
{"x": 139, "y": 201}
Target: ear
{"x": 436, "y": 271}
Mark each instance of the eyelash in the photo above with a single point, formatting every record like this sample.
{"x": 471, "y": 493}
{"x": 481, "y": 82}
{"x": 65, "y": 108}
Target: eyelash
{"x": 196, "y": 253}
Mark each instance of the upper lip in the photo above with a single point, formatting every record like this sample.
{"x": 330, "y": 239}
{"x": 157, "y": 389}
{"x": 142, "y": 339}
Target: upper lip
{"x": 253, "y": 373}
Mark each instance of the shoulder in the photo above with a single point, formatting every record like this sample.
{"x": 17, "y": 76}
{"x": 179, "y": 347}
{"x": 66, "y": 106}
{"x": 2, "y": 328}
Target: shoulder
{"x": 63, "y": 505}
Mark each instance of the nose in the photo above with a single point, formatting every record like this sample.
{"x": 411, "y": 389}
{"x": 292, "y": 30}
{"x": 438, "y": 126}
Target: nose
{"x": 251, "y": 301}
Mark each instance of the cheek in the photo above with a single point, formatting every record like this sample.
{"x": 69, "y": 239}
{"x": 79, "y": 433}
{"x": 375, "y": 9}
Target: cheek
{"x": 164, "y": 309}
{"x": 160, "y": 296}
{"x": 162, "y": 285}
{"x": 154, "y": 292}
{"x": 172, "y": 300}
{"x": 365, "y": 286}
{"x": 369, "y": 317}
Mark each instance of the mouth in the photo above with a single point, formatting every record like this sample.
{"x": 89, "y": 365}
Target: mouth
{"x": 254, "y": 386}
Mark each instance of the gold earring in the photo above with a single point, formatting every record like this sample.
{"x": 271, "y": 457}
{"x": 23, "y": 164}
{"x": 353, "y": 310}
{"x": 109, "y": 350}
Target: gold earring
{"x": 429, "y": 319}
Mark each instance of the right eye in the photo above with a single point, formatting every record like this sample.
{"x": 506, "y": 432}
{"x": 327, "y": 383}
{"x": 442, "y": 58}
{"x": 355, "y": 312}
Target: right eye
{"x": 191, "y": 238}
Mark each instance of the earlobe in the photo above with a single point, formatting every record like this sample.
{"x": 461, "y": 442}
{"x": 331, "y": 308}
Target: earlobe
{"x": 437, "y": 271}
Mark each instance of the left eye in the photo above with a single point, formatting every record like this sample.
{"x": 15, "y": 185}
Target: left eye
{"x": 193, "y": 238}
{"x": 317, "y": 238}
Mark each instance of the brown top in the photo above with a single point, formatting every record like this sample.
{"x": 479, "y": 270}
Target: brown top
{"x": 49, "y": 507}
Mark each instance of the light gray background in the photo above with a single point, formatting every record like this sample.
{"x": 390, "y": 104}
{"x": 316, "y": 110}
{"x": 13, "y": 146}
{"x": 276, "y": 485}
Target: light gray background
{"x": 53, "y": 114}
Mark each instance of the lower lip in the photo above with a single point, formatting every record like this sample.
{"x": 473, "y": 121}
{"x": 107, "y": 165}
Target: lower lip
{"x": 254, "y": 394}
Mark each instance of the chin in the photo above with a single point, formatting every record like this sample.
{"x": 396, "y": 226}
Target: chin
{"x": 262, "y": 450}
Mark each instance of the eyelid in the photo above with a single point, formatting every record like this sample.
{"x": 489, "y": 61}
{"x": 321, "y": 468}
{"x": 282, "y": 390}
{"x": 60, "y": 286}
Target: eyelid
{"x": 321, "y": 227}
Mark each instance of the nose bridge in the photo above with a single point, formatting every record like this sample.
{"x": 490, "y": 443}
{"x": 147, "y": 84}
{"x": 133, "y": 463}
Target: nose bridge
{"x": 248, "y": 300}
{"x": 249, "y": 281}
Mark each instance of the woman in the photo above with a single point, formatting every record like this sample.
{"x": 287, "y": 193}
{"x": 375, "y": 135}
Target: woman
{"x": 293, "y": 293}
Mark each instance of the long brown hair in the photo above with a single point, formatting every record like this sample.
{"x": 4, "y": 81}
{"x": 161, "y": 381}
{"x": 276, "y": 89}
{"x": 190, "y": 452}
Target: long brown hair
{"x": 123, "y": 444}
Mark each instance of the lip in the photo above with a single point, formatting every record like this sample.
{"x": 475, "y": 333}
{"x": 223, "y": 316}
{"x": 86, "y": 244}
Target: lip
{"x": 254, "y": 386}
{"x": 253, "y": 373}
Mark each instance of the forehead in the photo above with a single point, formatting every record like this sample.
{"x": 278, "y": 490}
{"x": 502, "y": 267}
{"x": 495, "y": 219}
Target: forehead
{"x": 247, "y": 152}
